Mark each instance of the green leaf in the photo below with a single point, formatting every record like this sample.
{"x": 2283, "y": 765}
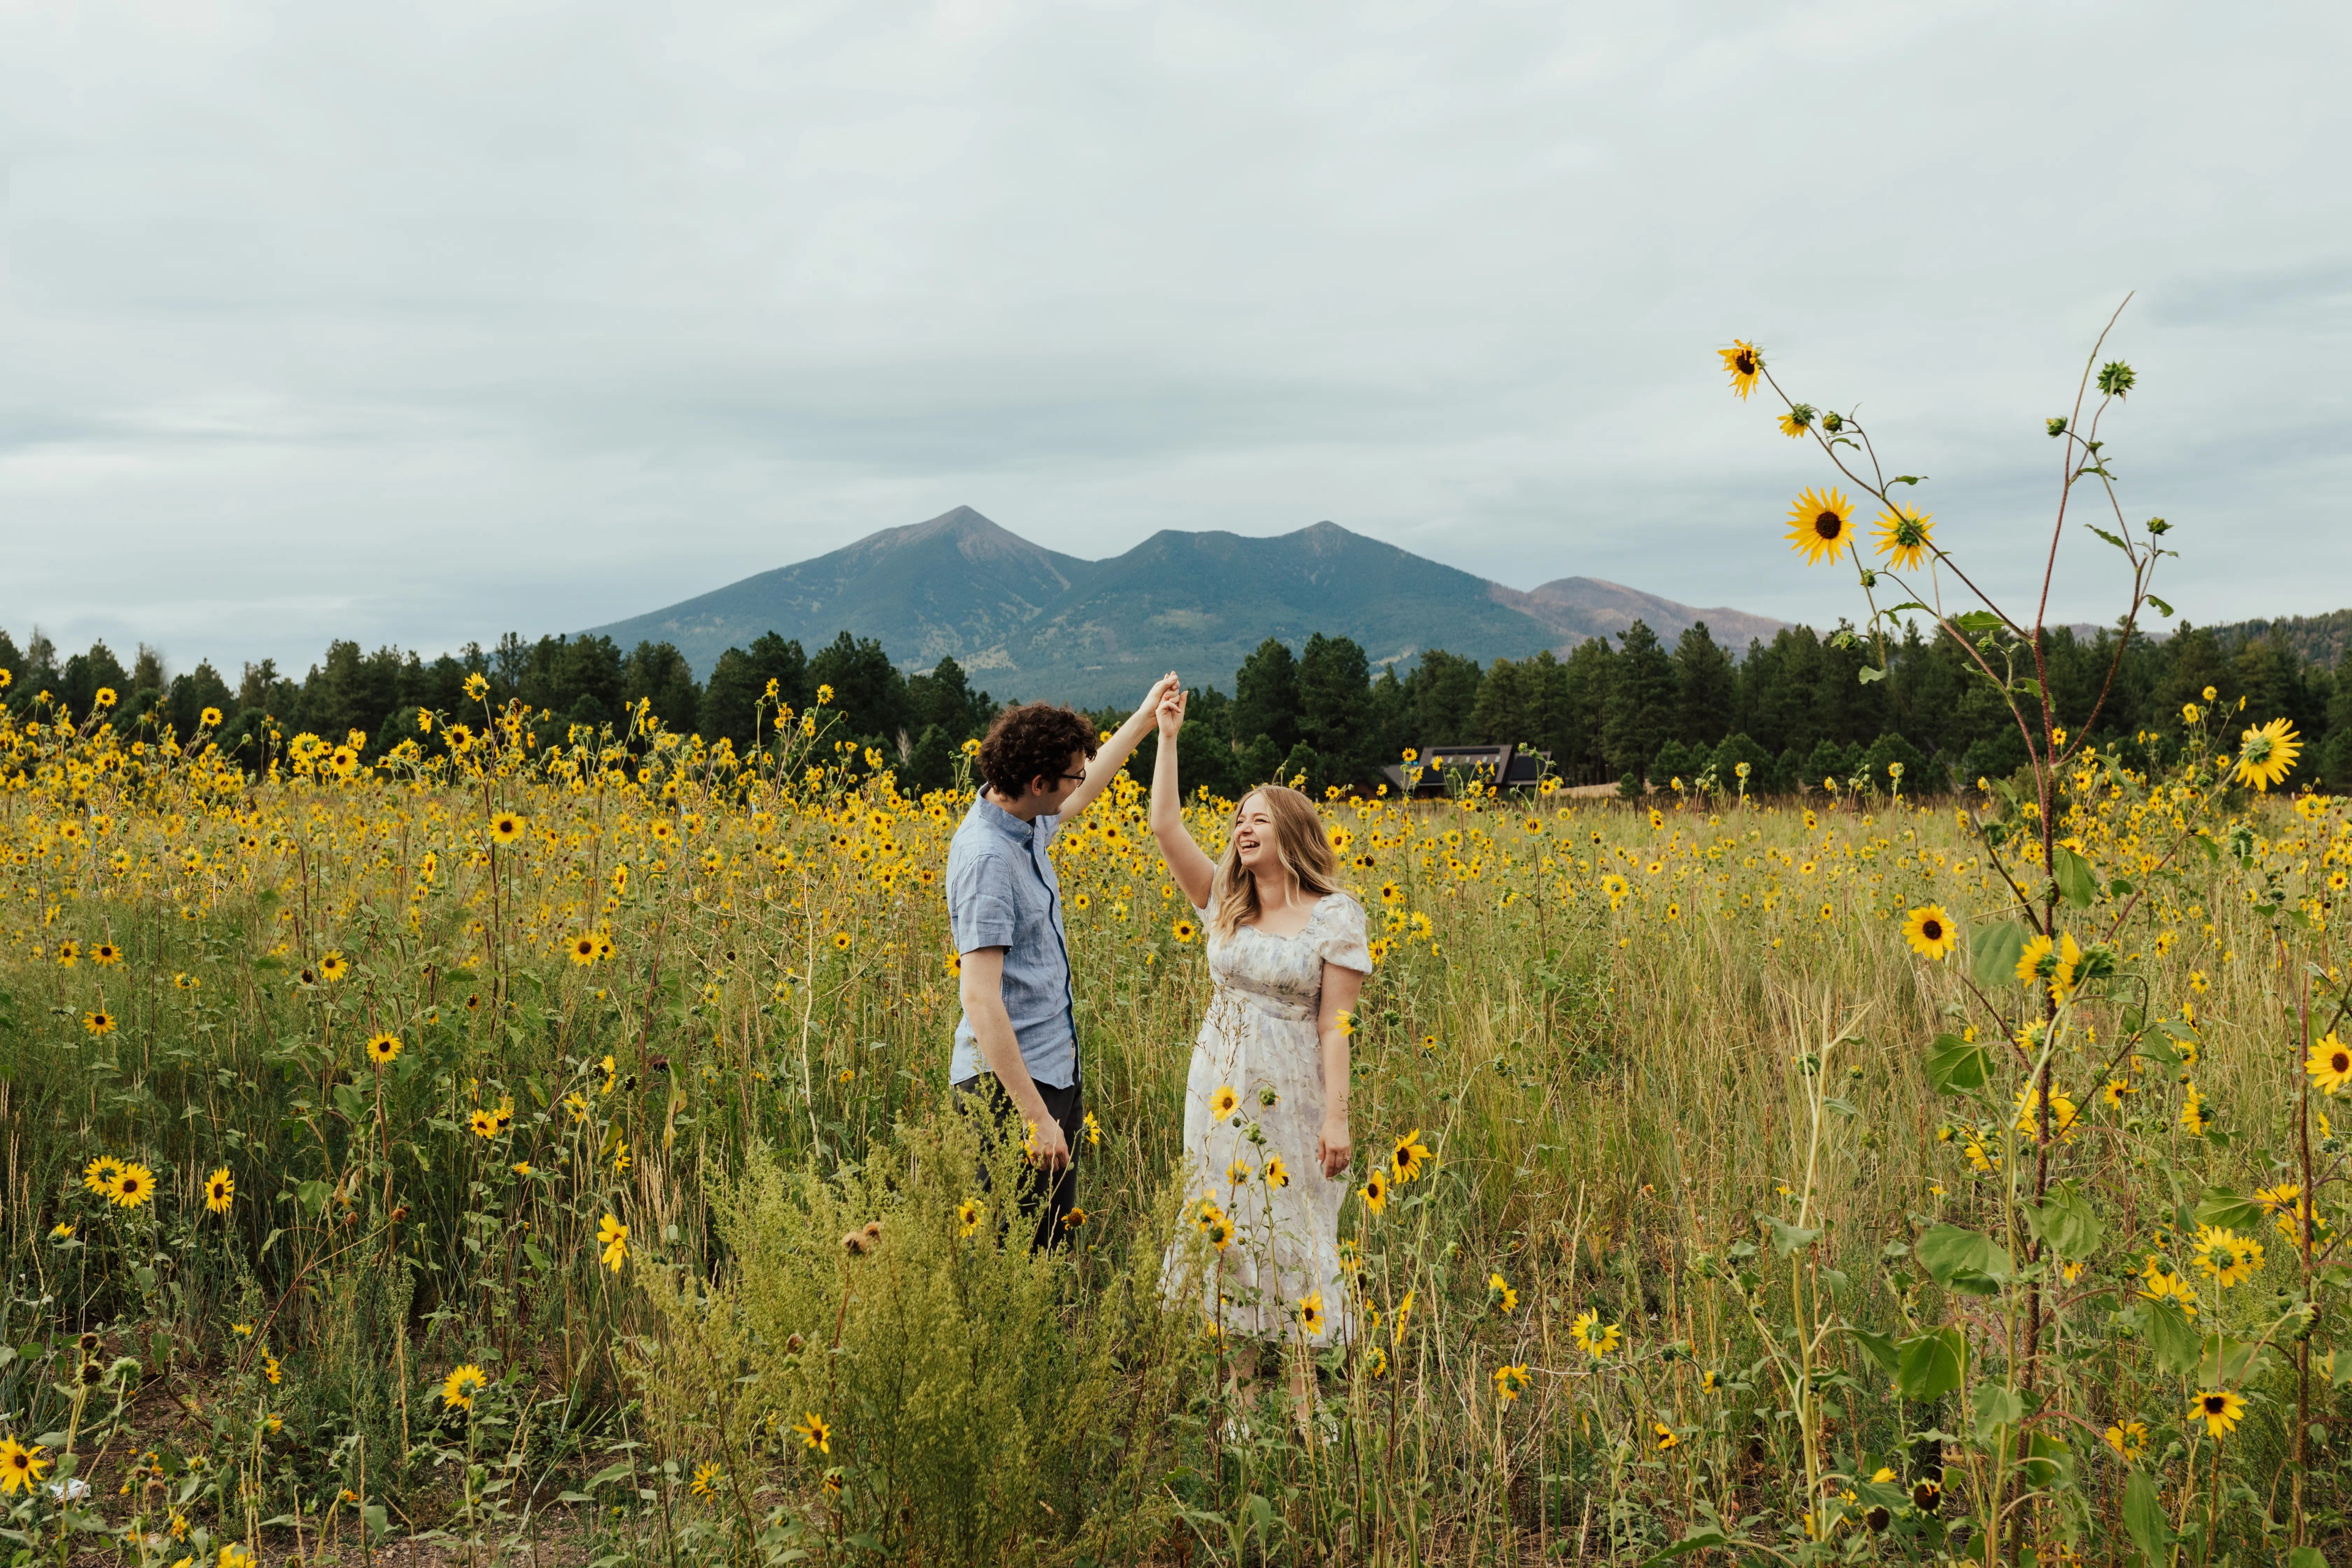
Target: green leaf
{"x": 2305, "y": 1557}
{"x": 2049, "y": 1461}
{"x": 2222, "y": 1207}
{"x": 2144, "y": 1520}
{"x": 1907, "y": 480}
{"x": 2110, "y": 538}
{"x": 2161, "y": 605}
{"x": 1955, "y": 1065}
{"x": 2066, "y": 1222}
{"x": 2077, "y": 883}
{"x": 1962, "y": 1258}
{"x": 1871, "y": 674}
{"x": 1994, "y": 952}
{"x": 1698, "y": 1540}
{"x": 1976, "y": 623}
{"x": 2170, "y": 1336}
{"x": 1880, "y": 1346}
{"x": 1929, "y": 1366}
{"x": 1788, "y": 1240}
{"x": 2223, "y": 1363}
{"x": 1998, "y": 1406}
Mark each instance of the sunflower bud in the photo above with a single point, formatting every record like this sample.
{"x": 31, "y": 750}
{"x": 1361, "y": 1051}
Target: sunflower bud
{"x": 2116, "y": 378}
{"x": 2057, "y": 426}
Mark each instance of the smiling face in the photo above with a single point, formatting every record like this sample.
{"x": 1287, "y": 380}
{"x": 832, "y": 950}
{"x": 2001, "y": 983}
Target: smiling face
{"x": 1252, "y": 836}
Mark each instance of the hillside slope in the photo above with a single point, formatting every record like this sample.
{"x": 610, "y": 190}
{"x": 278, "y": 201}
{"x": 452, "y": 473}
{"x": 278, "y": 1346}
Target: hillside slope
{"x": 1029, "y": 622}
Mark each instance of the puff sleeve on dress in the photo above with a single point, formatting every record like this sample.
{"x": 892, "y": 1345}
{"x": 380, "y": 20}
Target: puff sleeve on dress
{"x": 1340, "y": 939}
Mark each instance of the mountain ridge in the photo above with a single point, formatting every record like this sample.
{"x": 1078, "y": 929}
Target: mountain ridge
{"x": 1028, "y": 621}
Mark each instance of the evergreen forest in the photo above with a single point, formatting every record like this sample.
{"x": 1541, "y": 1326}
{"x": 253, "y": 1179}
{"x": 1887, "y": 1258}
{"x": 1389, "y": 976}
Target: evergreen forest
{"x": 1620, "y": 710}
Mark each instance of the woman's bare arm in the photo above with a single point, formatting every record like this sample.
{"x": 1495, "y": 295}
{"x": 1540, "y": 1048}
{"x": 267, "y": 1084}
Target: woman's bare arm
{"x": 1333, "y": 1146}
{"x": 1192, "y": 868}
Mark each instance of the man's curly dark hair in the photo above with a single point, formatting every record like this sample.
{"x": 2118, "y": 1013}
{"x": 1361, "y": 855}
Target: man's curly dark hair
{"x": 1033, "y": 740}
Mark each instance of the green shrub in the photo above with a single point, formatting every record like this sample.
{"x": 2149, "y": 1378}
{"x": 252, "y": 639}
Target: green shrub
{"x": 980, "y": 1403}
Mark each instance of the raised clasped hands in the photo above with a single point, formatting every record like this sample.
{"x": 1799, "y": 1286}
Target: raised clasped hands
{"x": 1171, "y": 708}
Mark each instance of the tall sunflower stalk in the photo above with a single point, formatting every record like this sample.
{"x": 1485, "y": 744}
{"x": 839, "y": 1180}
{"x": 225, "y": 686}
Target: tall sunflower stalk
{"x": 2020, "y": 825}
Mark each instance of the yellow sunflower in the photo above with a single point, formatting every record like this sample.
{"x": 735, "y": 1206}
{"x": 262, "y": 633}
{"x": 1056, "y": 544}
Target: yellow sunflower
{"x": 1744, "y": 363}
{"x": 382, "y": 1049}
{"x": 815, "y": 1433}
{"x": 1820, "y": 525}
{"x": 99, "y": 1174}
{"x": 1310, "y": 1312}
{"x": 20, "y": 1466}
{"x": 334, "y": 967}
{"x": 2329, "y": 1064}
{"x": 968, "y": 1214}
{"x": 1593, "y": 1337}
{"x": 1223, "y": 1103}
{"x": 1411, "y": 1154}
{"x": 2266, "y": 756}
{"x": 1902, "y": 536}
{"x": 613, "y": 1238}
{"x": 220, "y": 1190}
{"x": 506, "y": 827}
{"x": 2225, "y": 1256}
{"x": 1930, "y": 931}
{"x": 1375, "y": 1189}
{"x": 2219, "y": 1410}
{"x": 457, "y": 1390}
{"x": 133, "y": 1185}
{"x": 1510, "y": 1382}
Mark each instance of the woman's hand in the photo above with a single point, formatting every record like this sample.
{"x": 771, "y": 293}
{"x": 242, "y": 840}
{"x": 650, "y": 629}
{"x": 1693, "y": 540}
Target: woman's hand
{"x": 1331, "y": 1145}
{"x": 1171, "y": 712}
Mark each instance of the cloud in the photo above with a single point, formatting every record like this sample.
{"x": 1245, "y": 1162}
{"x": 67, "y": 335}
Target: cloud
{"x": 421, "y": 325}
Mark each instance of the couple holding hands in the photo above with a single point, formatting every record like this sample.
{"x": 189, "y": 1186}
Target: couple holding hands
{"x": 1265, "y": 1101}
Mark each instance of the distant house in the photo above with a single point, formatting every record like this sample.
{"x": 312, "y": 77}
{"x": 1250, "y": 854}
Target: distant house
{"x": 1505, "y": 768}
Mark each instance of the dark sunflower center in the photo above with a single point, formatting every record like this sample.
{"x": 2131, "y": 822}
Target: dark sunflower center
{"x": 2214, "y": 1404}
{"x": 1829, "y": 524}
{"x": 1932, "y": 930}
{"x": 1747, "y": 364}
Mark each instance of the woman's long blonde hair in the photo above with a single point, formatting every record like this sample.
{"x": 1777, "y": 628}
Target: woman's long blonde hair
{"x": 1299, "y": 843}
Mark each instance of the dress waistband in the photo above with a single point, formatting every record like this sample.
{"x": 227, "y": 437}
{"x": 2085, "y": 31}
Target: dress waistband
{"x": 1290, "y": 1011}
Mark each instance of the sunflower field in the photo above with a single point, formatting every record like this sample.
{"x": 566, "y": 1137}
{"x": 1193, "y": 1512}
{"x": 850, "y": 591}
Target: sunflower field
{"x": 513, "y": 1152}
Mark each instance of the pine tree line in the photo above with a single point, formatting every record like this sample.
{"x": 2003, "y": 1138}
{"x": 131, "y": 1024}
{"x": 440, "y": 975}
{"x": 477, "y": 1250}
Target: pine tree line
{"x": 1795, "y": 709}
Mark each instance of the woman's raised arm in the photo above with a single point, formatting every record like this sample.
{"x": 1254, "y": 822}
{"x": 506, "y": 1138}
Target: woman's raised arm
{"x": 1193, "y": 869}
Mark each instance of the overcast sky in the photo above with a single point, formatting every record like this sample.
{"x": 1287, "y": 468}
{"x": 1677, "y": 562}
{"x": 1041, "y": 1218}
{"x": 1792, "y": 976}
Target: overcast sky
{"x": 422, "y": 322}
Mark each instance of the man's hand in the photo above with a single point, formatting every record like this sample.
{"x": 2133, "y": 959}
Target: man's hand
{"x": 1046, "y": 1148}
{"x": 1332, "y": 1146}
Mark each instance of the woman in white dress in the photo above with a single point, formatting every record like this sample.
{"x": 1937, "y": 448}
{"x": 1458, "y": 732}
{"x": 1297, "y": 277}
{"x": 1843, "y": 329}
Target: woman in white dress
{"x": 1266, "y": 1104}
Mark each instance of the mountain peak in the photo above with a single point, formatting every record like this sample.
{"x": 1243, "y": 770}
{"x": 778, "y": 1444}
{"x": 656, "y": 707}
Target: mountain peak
{"x": 1030, "y": 621}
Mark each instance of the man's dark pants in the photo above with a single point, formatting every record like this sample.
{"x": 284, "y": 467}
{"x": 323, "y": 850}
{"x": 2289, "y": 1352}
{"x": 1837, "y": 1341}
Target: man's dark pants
{"x": 1047, "y": 1197}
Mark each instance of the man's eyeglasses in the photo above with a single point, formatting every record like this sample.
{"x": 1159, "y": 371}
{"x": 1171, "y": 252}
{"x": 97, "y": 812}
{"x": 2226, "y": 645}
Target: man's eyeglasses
{"x": 1076, "y": 778}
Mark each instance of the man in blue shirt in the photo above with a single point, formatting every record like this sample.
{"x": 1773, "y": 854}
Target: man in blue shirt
{"x": 1016, "y": 1047}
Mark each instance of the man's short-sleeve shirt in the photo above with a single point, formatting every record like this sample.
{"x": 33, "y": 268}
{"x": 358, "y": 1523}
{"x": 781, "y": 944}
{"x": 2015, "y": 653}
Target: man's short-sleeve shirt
{"x": 1001, "y": 892}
